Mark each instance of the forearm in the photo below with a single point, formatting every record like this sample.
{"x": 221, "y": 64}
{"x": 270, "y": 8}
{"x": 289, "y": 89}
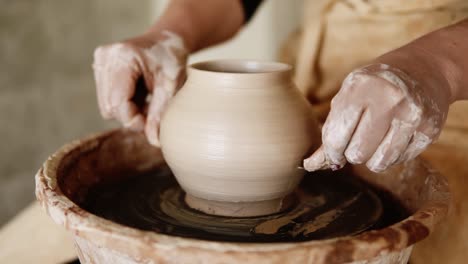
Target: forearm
{"x": 201, "y": 23}
{"x": 440, "y": 57}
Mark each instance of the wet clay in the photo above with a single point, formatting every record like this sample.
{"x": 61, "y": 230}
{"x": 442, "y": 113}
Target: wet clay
{"x": 325, "y": 205}
{"x": 235, "y": 133}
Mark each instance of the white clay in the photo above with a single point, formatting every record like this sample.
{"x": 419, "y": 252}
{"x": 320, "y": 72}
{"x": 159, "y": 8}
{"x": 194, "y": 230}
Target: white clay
{"x": 236, "y": 132}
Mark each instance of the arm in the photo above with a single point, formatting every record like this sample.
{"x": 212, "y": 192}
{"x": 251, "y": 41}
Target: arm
{"x": 157, "y": 59}
{"x": 442, "y": 52}
{"x": 200, "y": 23}
{"x": 393, "y": 109}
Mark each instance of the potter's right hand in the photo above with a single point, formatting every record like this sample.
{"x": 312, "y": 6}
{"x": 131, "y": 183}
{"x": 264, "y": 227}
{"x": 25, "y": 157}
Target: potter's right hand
{"x": 118, "y": 68}
{"x": 381, "y": 116}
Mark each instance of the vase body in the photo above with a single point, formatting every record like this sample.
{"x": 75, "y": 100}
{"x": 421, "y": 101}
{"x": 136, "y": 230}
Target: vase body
{"x": 237, "y": 132}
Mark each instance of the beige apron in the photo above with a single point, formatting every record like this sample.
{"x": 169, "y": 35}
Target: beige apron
{"x": 339, "y": 35}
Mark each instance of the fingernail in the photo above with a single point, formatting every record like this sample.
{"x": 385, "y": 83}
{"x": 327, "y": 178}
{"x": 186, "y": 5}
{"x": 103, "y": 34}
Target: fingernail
{"x": 153, "y": 140}
{"x": 152, "y": 136}
{"x": 125, "y": 113}
{"x": 336, "y": 160}
{"x": 376, "y": 165}
{"x": 152, "y": 133}
{"x": 137, "y": 123}
{"x": 106, "y": 114}
{"x": 115, "y": 99}
{"x": 377, "y": 169}
{"x": 335, "y": 167}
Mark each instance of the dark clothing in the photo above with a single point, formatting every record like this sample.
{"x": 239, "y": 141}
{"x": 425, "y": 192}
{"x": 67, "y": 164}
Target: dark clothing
{"x": 250, "y": 6}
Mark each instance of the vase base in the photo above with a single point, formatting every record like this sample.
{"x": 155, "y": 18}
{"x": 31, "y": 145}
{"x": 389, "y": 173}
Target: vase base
{"x": 239, "y": 209}
{"x": 324, "y": 205}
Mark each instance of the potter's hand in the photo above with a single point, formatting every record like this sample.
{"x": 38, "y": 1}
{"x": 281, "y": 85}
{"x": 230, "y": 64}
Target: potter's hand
{"x": 159, "y": 63}
{"x": 381, "y": 116}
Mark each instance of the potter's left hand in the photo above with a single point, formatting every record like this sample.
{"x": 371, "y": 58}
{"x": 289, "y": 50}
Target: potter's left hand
{"x": 157, "y": 62}
{"x": 159, "y": 58}
{"x": 382, "y": 116}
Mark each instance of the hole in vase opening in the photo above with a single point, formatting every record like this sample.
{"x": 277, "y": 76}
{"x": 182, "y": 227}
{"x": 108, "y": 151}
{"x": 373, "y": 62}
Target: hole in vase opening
{"x": 241, "y": 66}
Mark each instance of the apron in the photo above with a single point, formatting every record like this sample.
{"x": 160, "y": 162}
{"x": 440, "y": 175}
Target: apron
{"x": 338, "y": 36}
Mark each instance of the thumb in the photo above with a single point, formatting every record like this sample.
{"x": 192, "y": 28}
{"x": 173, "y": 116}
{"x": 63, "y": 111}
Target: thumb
{"x": 163, "y": 91}
{"x": 317, "y": 161}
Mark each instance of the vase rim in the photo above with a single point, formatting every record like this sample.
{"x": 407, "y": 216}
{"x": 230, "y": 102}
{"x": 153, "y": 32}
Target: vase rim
{"x": 240, "y": 67}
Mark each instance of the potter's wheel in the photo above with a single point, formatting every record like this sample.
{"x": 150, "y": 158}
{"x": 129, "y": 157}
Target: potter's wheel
{"x": 324, "y": 206}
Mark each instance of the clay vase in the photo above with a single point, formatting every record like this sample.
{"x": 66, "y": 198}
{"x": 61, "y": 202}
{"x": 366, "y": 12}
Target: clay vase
{"x": 235, "y": 135}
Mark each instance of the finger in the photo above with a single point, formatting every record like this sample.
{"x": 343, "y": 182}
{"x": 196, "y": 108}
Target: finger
{"x": 337, "y": 131}
{"x": 366, "y": 138}
{"x": 392, "y": 146}
{"x": 129, "y": 115}
{"x": 417, "y": 145}
{"x": 119, "y": 87}
{"x": 422, "y": 138}
{"x": 116, "y": 70}
{"x": 316, "y": 161}
{"x": 100, "y": 95}
{"x": 114, "y": 86}
{"x": 162, "y": 93}
{"x": 99, "y": 69}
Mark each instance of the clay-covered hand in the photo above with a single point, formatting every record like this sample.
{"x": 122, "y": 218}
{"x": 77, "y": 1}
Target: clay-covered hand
{"x": 381, "y": 116}
{"x": 159, "y": 63}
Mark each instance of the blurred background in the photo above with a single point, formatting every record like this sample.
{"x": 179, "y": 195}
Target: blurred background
{"x": 47, "y": 93}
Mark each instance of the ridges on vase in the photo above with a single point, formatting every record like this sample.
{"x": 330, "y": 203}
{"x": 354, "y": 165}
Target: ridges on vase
{"x": 235, "y": 134}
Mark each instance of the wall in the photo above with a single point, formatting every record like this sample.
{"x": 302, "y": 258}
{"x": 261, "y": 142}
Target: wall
{"x": 47, "y": 92}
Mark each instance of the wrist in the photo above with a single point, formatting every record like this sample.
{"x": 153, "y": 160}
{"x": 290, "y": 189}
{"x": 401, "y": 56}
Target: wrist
{"x": 427, "y": 70}
{"x": 201, "y": 23}
{"x": 439, "y": 67}
{"x": 438, "y": 57}
{"x": 178, "y": 20}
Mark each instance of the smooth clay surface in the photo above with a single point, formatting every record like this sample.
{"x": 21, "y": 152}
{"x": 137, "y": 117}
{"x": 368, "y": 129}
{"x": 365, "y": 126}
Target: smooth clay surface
{"x": 237, "y": 132}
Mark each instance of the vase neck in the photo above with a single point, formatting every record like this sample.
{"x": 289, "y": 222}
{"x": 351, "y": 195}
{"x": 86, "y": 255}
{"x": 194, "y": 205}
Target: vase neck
{"x": 240, "y": 73}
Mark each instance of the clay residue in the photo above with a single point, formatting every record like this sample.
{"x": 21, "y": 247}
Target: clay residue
{"x": 324, "y": 219}
{"x": 154, "y": 202}
{"x": 272, "y": 226}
